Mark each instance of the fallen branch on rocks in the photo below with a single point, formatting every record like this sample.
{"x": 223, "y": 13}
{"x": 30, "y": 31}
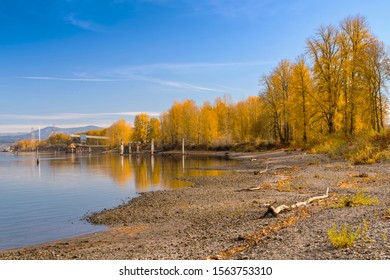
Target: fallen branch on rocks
{"x": 255, "y": 238}
{"x": 261, "y": 172}
{"x": 275, "y": 211}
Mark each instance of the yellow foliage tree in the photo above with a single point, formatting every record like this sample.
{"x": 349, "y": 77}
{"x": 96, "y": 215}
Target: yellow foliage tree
{"x": 118, "y": 132}
{"x": 26, "y": 145}
{"x": 140, "y": 130}
{"x": 208, "y": 131}
{"x": 59, "y": 139}
{"x": 223, "y": 109}
{"x": 154, "y": 130}
{"x": 302, "y": 109}
{"x": 277, "y": 93}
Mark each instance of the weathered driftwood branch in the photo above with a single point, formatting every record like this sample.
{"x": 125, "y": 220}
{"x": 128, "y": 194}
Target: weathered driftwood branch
{"x": 275, "y": 211}
{"x": 261, "y": 172}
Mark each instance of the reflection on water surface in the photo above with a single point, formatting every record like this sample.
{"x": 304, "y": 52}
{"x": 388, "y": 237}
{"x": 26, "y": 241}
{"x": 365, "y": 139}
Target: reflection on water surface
{"x": 45, "y": 202}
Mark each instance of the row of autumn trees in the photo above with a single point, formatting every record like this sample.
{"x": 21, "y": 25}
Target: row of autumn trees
{"x": 339, "y": 89}
{"x": 336, "y": 88}
{"x": 222, "y": 123}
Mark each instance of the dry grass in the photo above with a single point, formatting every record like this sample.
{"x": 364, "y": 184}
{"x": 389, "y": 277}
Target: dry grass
{"x": 387, "y": 213}
{"x": 254, "y": 238}
{"x": 348, "y": 185}
{"x": 361, "y": 149}
{"x": 358, "y": 199}
{"x": 126, "y": 230}
{"x": 284, "y": 186}
{"x": 360, "y": 175}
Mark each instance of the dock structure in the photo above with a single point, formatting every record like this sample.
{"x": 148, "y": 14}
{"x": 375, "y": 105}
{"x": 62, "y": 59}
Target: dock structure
{"x": 81, "y": 136}
{"x": 83, "y": 147}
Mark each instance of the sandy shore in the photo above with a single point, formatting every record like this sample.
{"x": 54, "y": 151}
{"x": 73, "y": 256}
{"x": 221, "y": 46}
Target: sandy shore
{"x": 220, "y": 217}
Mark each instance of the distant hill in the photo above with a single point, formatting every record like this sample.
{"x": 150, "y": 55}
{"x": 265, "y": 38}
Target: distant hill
{"x": 45, "y": 133}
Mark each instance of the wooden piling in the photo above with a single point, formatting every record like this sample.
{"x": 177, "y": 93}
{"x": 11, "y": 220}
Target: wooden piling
{"x": 122, "y": 149}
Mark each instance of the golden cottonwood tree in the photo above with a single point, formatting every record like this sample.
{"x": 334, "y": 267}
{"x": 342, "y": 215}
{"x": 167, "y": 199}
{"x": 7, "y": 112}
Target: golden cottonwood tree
{"x": 342, "y": 88}
{"x": 59, "y": 139}
{"x": 325, "y": 51}
{"x": 175, "y": 123}
{"x": 354, "y": 39}
{"x": 277, "y": 93}
{"x": 181, "y": 121}
{"x": 154, "y": 130}
{"x": 223, "y": 109}
{"x": 208, "y": 127}
{"x": 118, "y": 132}
{"x": 190, "y": 129}
{"x": 140, "y": 130}
{"x": 376, "y": 74}
{"x": 302, "y": 110}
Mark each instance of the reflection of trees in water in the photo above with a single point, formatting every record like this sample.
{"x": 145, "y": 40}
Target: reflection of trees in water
{"x": 161, "y": 171}
{"x": 140, "y": 167}
{"x": 148, "y": 172}
{"x": 117, "y": 168}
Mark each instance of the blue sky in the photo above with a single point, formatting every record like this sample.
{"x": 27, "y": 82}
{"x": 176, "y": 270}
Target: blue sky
{"x": 81, "y": 62}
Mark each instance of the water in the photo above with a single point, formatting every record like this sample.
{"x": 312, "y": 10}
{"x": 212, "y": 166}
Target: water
{"x": 45, "y": 202}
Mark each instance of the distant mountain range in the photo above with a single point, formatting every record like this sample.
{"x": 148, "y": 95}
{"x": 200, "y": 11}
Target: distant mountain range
{"x": 9, "y": 138}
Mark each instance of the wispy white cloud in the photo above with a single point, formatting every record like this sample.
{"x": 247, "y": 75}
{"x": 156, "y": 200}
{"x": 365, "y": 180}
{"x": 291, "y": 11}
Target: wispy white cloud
{"x": 197, "y": 65}
{"x": 84, "y": 24}
{"x": 10, "y": 123}
{"x": 130, "y": 77}
{"x": 71, "y": 79}
{"x": 151, "y": 73}
{"x": 178, "y": 85}
{"x": 26, "y": 128}
{"x": 131, "y": 114}
{"x": 70, "y": 116}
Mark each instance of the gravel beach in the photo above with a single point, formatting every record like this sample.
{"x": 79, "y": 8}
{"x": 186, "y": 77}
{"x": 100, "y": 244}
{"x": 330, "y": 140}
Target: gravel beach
{"x": 222, "y": 217}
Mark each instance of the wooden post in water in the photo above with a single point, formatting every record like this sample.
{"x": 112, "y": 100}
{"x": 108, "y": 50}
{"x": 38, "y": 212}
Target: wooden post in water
{"x": 37, "y": 156}
{"x": 152, "y": 147}
{"x": 182, "y": 147}
{"x": 152, "y": 163}
{"x": 122, "y": 148}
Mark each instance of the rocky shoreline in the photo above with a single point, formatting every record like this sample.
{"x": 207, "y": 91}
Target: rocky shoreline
{"x": 221, "y": 217}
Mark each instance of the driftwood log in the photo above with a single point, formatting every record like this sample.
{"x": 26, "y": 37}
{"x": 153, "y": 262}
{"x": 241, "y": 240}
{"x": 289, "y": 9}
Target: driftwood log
{"x": 275, "y": 211}
{"x": 261, "y": 172}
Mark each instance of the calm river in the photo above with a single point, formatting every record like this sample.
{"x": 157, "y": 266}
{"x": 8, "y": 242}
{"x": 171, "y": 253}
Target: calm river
{"x": 45, "y": 202}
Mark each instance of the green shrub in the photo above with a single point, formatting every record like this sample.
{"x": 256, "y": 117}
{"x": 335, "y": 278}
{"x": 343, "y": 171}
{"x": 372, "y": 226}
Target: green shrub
{"x": 343, "y": 238}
